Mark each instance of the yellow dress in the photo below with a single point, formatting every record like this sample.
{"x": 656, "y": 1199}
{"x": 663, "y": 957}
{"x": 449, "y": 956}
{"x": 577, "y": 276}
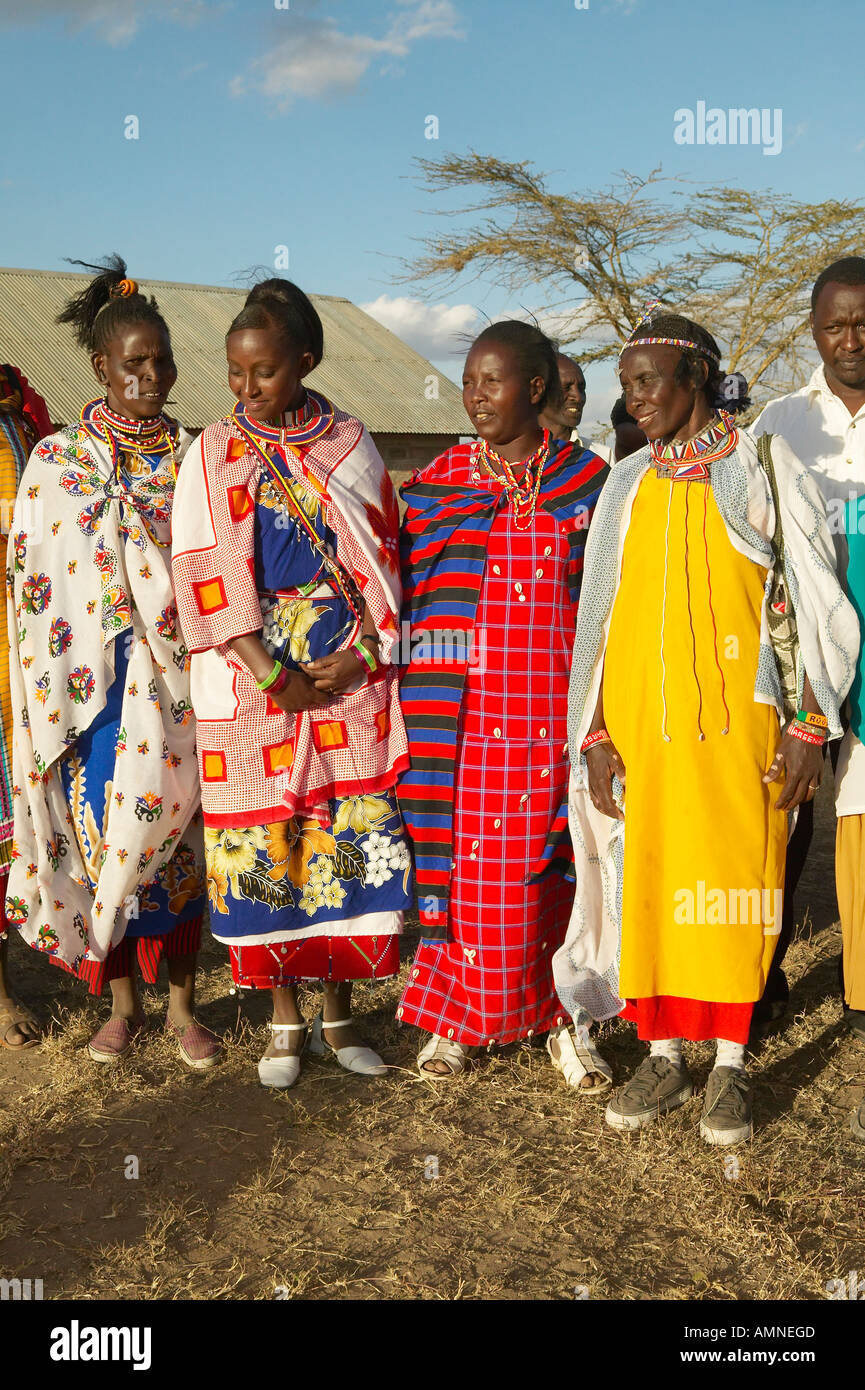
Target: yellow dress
{"x": 704, "y": 846}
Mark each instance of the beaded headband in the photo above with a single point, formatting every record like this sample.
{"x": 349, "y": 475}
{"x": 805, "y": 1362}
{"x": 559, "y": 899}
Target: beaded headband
{"x": 647, "y": 317}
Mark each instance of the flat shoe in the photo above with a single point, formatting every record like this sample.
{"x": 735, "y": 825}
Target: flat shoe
{"x": 115, "y": 1038}
{"x": 357, "y": 1059}
{"x": 280, "y": 1073}
{"x": 456, "y": 1057}
{"x": 199, "y": 1048}
{"x": 577, "y": 1059}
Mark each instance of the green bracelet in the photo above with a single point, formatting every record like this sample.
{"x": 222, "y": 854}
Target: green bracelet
{"x": 272, "y": 676}
{"x": 367, "y": 656}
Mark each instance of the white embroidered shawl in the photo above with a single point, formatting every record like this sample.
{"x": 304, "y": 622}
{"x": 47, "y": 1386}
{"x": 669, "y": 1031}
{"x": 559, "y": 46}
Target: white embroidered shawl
{"x": 89, "y": 564}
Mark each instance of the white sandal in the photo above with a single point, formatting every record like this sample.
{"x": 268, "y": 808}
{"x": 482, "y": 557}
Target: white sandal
{"x": 358, "y": 1059}
{"x": 454, "y": 1055}
{"x": 578, "y": 1057}
{"x": 281, "y": 1072}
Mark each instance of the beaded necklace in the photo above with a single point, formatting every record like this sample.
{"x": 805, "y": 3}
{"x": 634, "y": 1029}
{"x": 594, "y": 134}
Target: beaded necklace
{"x": 266, "y": 441}
{"x": 156, "y": 436}
{"x": 689, "y": 462}
{"x": 302, "y": 426}
{"x": 522, "y": 496}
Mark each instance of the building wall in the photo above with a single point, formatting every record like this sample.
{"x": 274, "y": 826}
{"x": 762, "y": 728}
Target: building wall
{"x": 403, "y": 453}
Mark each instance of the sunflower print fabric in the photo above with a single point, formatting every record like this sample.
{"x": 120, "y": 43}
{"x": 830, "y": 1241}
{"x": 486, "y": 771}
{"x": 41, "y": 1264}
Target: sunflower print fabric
{"x": 294, "y": 877}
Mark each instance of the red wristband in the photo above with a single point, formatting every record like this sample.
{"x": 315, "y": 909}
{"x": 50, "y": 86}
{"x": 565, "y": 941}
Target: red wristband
{"x": 806, "y": 735}
{"x": 280, "y": 683}
{"x": 599, "y": 736}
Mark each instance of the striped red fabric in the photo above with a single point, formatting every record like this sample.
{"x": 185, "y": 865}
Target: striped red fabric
{"x": 445, "y": 539}
{"x": 147, "y": 951}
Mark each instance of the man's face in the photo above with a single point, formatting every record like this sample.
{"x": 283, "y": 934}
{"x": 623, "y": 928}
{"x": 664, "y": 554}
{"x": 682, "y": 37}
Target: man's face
{"x": 838, "y": 326}
{"x": 573, "y": 385}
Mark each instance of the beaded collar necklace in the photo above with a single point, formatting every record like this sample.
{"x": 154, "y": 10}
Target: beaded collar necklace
{"x": 690, "y": 461}
{"x": 157, "y": 435}
{"x": 522, "y": 495}
{"x": 311, "y": 421}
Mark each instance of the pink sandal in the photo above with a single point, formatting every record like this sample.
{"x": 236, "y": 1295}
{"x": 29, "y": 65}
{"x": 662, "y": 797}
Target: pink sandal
{"x": 198, "y": 1047}
{"x": 115, "y": 1038}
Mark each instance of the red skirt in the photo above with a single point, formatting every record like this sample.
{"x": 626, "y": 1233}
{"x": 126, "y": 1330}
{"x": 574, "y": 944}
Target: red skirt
{"x": 285, "y": 963}
{"x": 665, "y": 1016}
{"x": 182, "y": 940}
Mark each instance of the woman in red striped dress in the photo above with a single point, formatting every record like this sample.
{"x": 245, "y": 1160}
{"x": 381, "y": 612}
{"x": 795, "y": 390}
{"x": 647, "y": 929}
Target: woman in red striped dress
{"x": 493, "y": 550}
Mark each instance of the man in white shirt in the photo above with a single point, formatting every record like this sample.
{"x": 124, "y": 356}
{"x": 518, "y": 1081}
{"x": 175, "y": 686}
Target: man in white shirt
{"x": 824, "y": 424}
{"x": 563, "y": 421}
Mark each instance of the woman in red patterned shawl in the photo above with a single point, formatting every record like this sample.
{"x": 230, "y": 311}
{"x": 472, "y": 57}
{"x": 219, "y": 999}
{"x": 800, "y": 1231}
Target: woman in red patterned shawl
{"x": 23, "y": 422}
{"x": 287, "y": 579}
{"x": 494, "y": 538}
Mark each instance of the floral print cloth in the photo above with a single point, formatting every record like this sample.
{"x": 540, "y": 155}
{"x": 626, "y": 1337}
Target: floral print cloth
{"x": 292, "y": 879}
{"x": 90, "y": 577}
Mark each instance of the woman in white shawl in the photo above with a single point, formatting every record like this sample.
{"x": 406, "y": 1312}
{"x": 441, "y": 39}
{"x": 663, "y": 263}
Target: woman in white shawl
{"x": 107, "y": 859}
{"x": 711, "y": 615}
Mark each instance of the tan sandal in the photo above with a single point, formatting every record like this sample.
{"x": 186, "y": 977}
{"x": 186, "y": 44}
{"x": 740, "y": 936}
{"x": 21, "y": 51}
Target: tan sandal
{"x": 11, "y": 1014}
{"x": 577, "y": 1059}
{"x": 456, "y": 1057}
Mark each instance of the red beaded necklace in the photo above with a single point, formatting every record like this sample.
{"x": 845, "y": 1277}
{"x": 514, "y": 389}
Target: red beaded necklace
{"x": 522, "y": 496}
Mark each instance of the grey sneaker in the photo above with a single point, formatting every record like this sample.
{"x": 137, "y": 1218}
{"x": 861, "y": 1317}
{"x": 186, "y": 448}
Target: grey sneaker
{"x": 857, "y": 1121}
{"x": 656, "y": 1087}
{"x": 727, "y": 1107}
{"x": 855, "y": 1021}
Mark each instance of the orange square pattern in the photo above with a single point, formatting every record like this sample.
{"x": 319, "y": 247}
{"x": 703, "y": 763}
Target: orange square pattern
{"x": 278, "y": 757}
{"x": 330, "y": 735}
{"x": 240, "y": 504}
{"x": 210, "y": 596}
{"x": 213, "y": 766}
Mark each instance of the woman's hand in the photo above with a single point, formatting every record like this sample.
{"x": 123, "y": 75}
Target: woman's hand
{"x": 603, "y": 762}
{"x": 803, "y": 764}
{"x": 334, "y": 674}
{"x": 298, "y": 695}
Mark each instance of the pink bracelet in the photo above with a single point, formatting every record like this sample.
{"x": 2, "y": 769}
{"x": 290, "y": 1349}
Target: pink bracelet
{"x": 599, "y": 736}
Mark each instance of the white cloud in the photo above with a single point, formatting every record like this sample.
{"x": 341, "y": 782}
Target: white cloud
{"x": 115, "y": 23}
{"x": 434, "y": 330}
{"x": 317, "y": 59}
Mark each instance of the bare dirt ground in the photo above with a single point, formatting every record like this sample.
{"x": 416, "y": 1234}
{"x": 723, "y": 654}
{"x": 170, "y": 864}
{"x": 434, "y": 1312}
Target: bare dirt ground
{"x": 328, "y": 1190}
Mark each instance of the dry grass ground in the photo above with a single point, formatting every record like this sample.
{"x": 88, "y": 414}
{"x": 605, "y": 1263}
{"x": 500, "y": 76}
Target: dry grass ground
{"x": 322, "y": 1191}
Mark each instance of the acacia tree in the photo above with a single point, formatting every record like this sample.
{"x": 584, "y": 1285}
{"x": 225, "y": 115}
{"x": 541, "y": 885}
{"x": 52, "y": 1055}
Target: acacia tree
{"x": 742, "y": 262}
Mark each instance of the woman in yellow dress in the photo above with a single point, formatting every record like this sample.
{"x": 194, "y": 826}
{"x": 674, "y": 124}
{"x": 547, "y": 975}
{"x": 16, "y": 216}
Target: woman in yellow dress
{"x": 714, "y": 615}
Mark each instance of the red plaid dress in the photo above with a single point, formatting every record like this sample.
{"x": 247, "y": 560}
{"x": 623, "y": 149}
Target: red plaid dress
{"x": 491, "y": 981}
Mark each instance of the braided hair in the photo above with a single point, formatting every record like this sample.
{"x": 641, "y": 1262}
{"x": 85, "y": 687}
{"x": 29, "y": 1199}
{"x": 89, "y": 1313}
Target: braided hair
{"x": 533, "y": 351}
{"x": 108, "y": 303}
{"x": 280, "y": 304}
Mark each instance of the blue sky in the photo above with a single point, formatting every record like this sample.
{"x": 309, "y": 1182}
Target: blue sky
{"x": 261, "y": 126}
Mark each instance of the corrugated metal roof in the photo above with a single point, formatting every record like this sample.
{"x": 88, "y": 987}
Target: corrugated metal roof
{"x": 366, "y": 370}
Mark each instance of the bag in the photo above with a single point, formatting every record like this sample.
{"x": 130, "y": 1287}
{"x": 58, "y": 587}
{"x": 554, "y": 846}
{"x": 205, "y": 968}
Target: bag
{"x": 780, "y": 614}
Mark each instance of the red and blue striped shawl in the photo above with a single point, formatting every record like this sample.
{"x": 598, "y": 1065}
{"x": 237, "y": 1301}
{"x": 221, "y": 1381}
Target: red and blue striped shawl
{"x": 444, "y": 542}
